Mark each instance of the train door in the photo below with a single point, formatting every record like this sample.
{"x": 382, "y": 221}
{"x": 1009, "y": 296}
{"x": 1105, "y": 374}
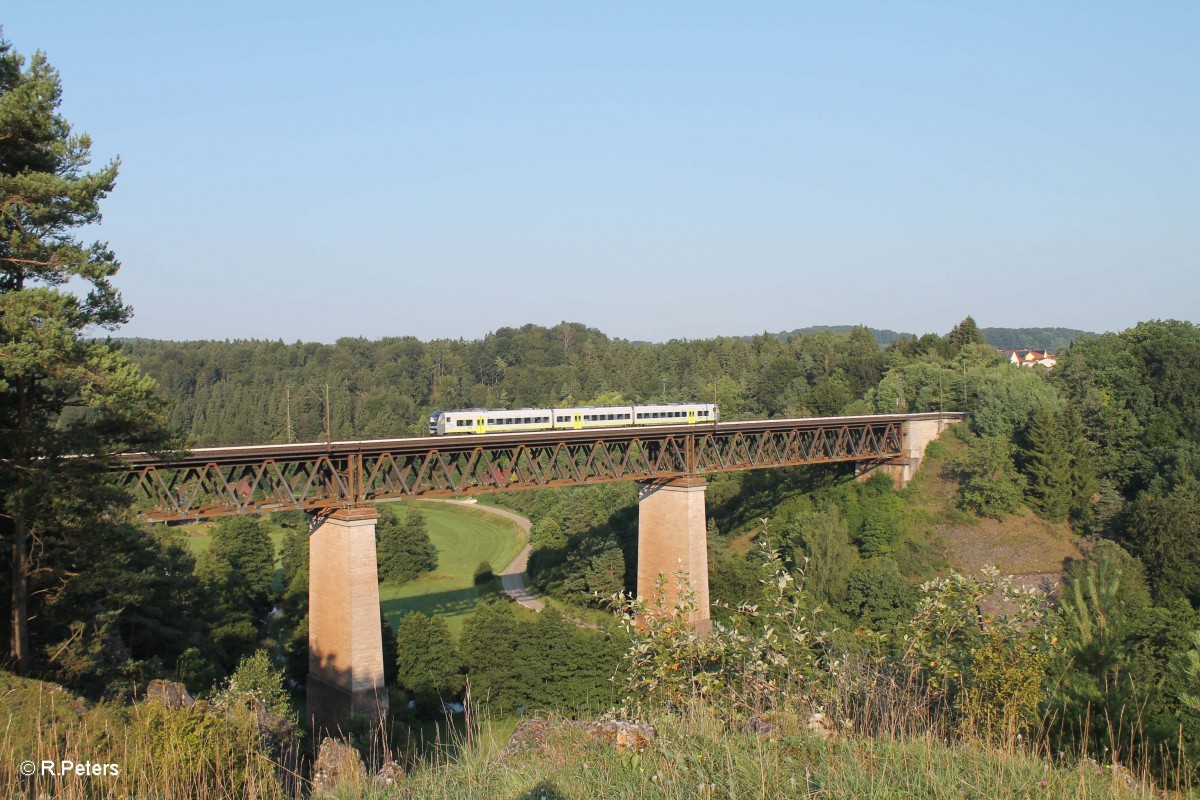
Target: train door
{"x": 691, "y": 416}
{"x": 481, "y": 424}
{"x": 578, "y": 421}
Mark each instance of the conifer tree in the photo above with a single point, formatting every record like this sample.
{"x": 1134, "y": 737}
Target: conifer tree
{"x": 62, "y": 391}
{"x": 1047, "y": 466}
{"x": 965, "y": 333}
{"x": 428, "y": 663}
{"x": 1084, "y": 481}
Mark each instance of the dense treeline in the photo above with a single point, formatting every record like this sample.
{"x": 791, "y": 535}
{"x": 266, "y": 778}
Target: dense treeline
{"x": 249, "y": 391}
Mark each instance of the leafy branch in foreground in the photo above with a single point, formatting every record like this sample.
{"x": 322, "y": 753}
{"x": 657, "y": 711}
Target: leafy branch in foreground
{"x": 769, "y": 651}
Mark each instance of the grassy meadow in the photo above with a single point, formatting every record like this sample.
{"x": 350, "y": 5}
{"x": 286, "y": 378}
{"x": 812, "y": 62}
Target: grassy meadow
{"x": 463, "y": 536}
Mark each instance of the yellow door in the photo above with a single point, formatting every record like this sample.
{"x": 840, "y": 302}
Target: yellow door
{"x": 578, "y": 421}
{"x": 481, "y": 424}
{"x": 691, "y": 416}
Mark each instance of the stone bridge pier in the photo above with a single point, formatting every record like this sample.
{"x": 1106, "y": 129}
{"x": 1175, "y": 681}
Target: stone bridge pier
{"x": 917, "y": 434}
{"x": 673, "y": 543}
{"x": 345, "y": 641}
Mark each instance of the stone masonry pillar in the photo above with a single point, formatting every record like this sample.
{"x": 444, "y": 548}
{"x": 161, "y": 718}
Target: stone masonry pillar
{"x": 345, "y": 645}
{"x": 673, "y": 540}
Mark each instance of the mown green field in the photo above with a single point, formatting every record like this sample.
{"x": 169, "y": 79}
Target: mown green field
{"x": 464, "y": 536}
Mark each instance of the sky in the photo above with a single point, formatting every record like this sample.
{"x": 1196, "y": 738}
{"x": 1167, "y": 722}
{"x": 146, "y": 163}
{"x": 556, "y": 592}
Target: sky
{"x": 310, "y": 171}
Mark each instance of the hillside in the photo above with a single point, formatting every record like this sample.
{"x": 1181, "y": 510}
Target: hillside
{"x": 1021, "y": 544}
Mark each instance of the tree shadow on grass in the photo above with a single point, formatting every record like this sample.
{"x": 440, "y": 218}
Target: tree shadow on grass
{"x": 447, "y": 603}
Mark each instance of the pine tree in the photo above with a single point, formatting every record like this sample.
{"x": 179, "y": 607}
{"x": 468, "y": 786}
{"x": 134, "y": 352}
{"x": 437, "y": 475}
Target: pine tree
{"x": 965, "y": 333}
{"x": 1047, "y": 466}
{"x": 428, "y": 663}
{"x": 62, "y": 391}
{"x": 243, "y": 543}
{"x": 1084, "y": 481}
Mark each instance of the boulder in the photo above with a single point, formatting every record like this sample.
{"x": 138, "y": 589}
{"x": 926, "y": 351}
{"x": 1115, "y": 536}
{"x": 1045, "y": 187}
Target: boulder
{"x": 170, "y": 694}
{"x": 530, "y": 735}
{"x": 338, "y": 765}
{"x": 390, "y": 774}
{"x": 621, "y": 735}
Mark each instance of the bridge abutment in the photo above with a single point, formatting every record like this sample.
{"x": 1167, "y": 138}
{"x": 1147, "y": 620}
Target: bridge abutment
{"x": 916, "y": 436}
{"x": 345, "y": 642}
{"x": 673, "y": 542}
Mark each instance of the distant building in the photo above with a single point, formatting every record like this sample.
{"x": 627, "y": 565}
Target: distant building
{"x": 1029, "y": 358}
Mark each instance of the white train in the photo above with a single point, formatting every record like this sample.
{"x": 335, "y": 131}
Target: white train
{"x": 503, "y": 420}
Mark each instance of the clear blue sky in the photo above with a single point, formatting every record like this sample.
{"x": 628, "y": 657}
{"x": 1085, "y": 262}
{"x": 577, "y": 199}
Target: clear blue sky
{"x": 657, "y": 170}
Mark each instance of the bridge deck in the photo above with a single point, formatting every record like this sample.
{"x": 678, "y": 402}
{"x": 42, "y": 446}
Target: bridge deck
{"x": 217, "y": 481}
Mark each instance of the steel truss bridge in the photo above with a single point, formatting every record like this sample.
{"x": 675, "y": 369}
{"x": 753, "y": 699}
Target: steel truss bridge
{"x": 320, "y": 476}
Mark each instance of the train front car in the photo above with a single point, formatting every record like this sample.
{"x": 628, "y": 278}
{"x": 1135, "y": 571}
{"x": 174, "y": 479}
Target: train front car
{"x": 437, "y": 423}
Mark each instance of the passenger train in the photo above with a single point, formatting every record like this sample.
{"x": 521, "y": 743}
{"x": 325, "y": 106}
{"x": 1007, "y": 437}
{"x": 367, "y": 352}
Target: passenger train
{"x": 501, "y": 420}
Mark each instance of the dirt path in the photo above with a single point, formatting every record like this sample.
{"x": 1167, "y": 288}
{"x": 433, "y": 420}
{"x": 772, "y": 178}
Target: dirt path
{"x": 512, "y": 578}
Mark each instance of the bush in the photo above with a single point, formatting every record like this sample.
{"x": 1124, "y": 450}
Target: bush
{"x": 484, "y": 573}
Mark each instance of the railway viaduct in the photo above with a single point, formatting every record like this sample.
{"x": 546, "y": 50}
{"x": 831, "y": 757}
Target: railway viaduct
{"x": 337, "y": 483}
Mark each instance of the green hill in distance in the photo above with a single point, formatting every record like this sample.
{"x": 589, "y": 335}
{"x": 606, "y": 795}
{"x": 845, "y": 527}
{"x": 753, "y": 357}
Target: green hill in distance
{"x": 1000, "y": 338}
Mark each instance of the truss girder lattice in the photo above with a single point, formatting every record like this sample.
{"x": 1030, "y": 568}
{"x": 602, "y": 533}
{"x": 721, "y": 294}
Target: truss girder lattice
{"x": 243, "y": 480}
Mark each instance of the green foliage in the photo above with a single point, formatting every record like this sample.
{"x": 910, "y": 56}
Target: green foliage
{"x": 964, "y": 334}
{"x": 243, "y": 544}
{"x": 403, "y": 548}
{"x": 1162, "y": 531}
{"x": 991, "y": 486}
{"x": 1052, "y": 339}
{"x": 550, "y": 663}
{"x": 1100, "y": 602}
{"x": 258, "y": 679}
{"x": 1136, "y": 393}
{"x": 988, "y": 665}
{"x": 236, "y": 571}
{"x": 1058, "y": 467}
{"x": 769, "y": 651}
{"x": 1007, "y": 399}
{"x": 829, "y": 556}
{"x": 581, "y": 538}
{"x": 1046, "y": 462}
{"x": 491, "y": 641}
{"x": 126, "y": 609}
{"x": 878, "y": 595}
{"x": 1185, "y": 666}
{"x": 429, "y": 667}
